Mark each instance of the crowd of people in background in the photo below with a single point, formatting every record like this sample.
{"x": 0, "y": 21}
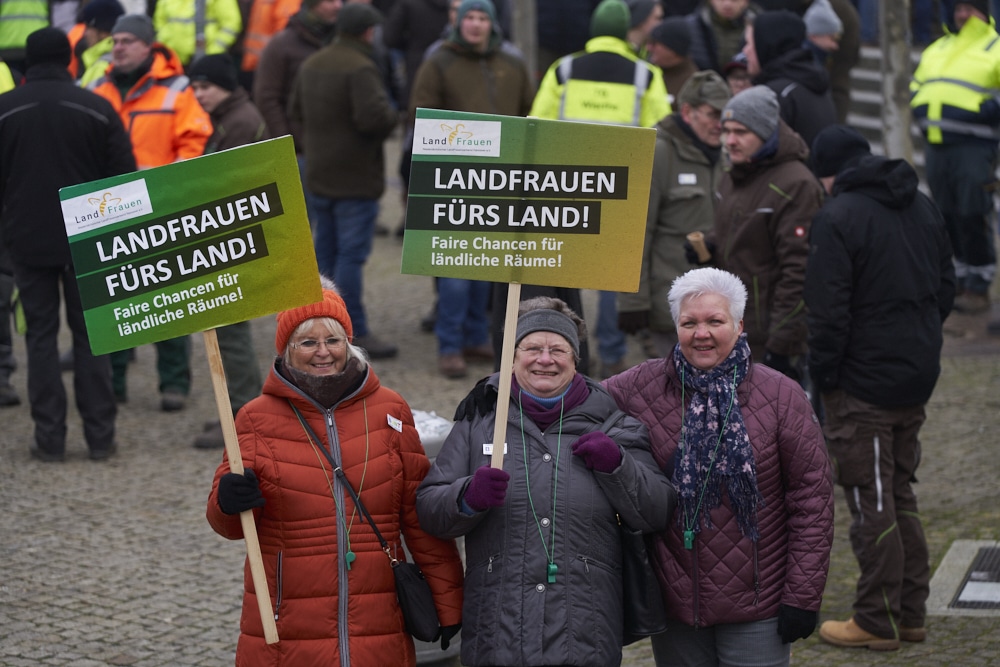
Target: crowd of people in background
{"x": 784, "y": 266}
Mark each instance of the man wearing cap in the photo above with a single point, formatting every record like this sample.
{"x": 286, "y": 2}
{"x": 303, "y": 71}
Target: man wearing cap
{"x": 146, "y": 85}
{"x": 954, "y": 101}
{"x": 54, "y": 134}
{"x": 99, "y": 17}
{"x": 879, "y": 284}
{"x": 766, "y": 201}
{"x": 777, "y": 58}
{"x": 632, "y": 92}
{"x": 644, "y": 15}
{"x": 686, "y": 172}
{"x": 236, "y": 122}
{"x": 668, "y": 47}
{"x": 341, "y": 102}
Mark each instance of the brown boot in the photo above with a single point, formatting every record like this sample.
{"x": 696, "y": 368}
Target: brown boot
{"x": 912, "y": 634}
{"x": 848, "y": 634}
{"x": 452, "y": 365}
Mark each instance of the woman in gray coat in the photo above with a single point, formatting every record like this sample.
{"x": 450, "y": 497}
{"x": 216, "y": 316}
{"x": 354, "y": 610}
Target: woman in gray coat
{"x": 543, "y": 576}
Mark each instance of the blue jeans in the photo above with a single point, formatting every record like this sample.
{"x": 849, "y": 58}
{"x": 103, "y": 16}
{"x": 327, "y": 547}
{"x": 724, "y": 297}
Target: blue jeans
{"x": 754, "y": 644}
{"x": 308, "y": 196}
{"x": 461, "y": 314}
{"x": 610, "y": 339}
{"x": 345, "y": 230}
{"x": 868, "y": 12}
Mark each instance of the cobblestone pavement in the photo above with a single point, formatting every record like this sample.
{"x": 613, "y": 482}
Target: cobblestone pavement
{"x": 114, "y": 564}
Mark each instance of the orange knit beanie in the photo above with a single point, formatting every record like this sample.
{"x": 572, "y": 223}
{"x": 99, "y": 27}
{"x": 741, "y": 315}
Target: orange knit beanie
{"x": 331, "y": 306}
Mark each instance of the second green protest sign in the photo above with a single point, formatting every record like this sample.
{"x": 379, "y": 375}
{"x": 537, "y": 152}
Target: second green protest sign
{"x": 528, "y": 201}
{"x": 191, "y": 246}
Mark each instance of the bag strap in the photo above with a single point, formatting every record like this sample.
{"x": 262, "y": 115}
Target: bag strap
{"x": 339, "y": 472}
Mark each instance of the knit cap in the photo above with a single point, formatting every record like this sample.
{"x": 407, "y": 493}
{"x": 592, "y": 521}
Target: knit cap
{"x": 546, "y": 319}
{"x": 674, "y": 34}
{"x": 139, "y": 25}
{"x": 739, "y": 61}
{"x": 982, "y": 6}
{"x": 331, "y": 306}
{"x": 101, "y": 14}
{"x": 47, "y": 46}
{"x": 484, "y": 6}
{"x": 357, "y": 17}
{"x": 775, "y": 33}
{"x": 611, "y": 18}
{"x": 639, "y": 10}
{"x": 705, "y": 87}
{"x": 820, "y": 19}
{"x": 756, "y": 108}
{"x": 835, "y": 148}
{"x": 217, "y": 68}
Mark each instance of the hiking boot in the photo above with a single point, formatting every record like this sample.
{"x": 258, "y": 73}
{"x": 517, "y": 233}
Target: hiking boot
{"x": 211, "y": 437}
{"x": 172, "y": 400}
{"x": 40, "y": 454}
{"x": 8, "y": 396}
{"x": 452, "y": 365}
{"x": 104, "y": 453}
{"x": 482, "y": 352}
{"x": 971, "y": 303}
{"x": 376, "y": 348}
{"x": 849, "y": 635}
{"x": 914, "y": 635}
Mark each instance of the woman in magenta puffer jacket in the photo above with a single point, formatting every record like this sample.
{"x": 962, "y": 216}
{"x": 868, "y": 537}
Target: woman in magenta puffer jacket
{"x": 744, "y": 563}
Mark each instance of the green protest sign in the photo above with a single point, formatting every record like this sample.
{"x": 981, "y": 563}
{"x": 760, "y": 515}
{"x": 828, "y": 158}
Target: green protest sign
{"x": 191, "y": 246}
{"x": 526, "y": 200}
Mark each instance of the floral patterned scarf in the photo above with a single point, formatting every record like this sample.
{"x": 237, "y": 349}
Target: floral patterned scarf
{"x": 715, "y": 452}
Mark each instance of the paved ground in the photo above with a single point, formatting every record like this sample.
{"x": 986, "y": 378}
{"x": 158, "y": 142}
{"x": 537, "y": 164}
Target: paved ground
{"x": 114, "y": 564}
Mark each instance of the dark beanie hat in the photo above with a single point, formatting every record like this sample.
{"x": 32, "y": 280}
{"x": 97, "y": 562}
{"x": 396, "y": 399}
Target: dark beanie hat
{"x": 611, "y": 18}
{"x": 101, "y": 14}
{"x": 981, "y": 6}
{"x": 47, "y": 46}
{"x": 775, "y": 33}
{"x": 639, "y": 10}
{"x": 674, "y": 34}
{"x": 357, "y": 17}
{"x": 837, "y": 147}
{"x": 139, "y": 25}
{"x": 218, "y": 68}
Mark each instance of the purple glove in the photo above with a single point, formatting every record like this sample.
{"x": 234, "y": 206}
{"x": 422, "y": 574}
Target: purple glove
{"x": 487, "y": 488}
{"x": 598, "y": 451}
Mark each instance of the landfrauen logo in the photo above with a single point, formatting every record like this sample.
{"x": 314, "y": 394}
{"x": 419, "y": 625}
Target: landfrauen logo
{"x": 466, "y": 137}
{"x": 104, "y": 207}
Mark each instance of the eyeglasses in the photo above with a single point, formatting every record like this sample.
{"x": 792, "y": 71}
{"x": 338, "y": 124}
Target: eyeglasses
{"x": 310, "y": 345}
{"x": 124, "y": 41}
{"x": 555, "y": 353}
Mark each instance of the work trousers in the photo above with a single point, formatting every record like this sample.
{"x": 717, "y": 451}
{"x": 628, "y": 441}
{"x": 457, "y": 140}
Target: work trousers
{"x": 875, "y": 452}
{"x": 173, "y": 366}
{"x": 243, "y": 379}
{"x": 39, "y": 289}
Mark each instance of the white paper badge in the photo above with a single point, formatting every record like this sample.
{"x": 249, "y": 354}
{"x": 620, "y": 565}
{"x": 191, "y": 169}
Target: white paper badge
{"x": 488, "y": 449}
{"x": 687, "y": 179}
{"x": 396, "y": 424}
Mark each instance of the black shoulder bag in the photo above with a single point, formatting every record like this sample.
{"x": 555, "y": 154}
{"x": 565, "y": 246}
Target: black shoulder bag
{"x": 645, "y": 613}
{"x": 412, "y": 591}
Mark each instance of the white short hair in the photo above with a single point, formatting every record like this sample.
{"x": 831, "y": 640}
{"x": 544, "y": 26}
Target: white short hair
{"x": 708, "y": 280}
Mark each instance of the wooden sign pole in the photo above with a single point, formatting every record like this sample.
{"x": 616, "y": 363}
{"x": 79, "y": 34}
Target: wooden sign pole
{"x": 236, "y": 466}
{"x": 506, "y": 367}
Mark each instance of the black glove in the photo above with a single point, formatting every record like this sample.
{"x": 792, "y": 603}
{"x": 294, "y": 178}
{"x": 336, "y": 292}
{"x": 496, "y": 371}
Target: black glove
{"x": 783, "y": 364}
{"x": 238, "y": 493}
{"x": 447, "y": 633}
{"x": 692, "y": 257}
{"x": 795, "y": 623}
{"x": 633, "y": 322}
{"x": 482, "y": 399}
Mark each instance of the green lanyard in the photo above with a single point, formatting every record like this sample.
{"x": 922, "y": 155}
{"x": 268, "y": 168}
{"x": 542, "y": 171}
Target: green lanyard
{"x": 692, "y": 520}
{"x": 550, "y": 549}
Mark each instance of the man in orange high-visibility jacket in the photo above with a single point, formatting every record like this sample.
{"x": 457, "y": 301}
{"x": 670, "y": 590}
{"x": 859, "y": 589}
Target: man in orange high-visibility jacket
{"x": 147, "y": 87}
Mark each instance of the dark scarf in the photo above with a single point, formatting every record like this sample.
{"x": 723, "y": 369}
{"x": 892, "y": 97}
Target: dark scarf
{"x": 326, "y": 390}
{"x": 711, "y": 153}
{"x": 576, "y": 393}
{"x": 710, "y": 461}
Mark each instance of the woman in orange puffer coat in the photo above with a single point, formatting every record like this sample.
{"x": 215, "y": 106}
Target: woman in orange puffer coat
{"x": 331, "y": 586}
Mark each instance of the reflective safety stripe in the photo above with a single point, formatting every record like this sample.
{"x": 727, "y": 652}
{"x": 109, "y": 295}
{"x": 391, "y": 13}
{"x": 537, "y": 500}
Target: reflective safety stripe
{"x": 878, "y": 476}
{"x": 640, "y": 79}
{"x": 640, "y": 82}
{"x": 960, "y": 127}
{"x": 995, "y": 92}
{"x": 174, "y": 88}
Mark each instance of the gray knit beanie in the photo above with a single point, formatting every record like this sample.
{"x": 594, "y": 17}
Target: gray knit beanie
{"x": 139, "y": 25}
{"x": 757, "y": 108}
{"x": 546, "y": 319}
